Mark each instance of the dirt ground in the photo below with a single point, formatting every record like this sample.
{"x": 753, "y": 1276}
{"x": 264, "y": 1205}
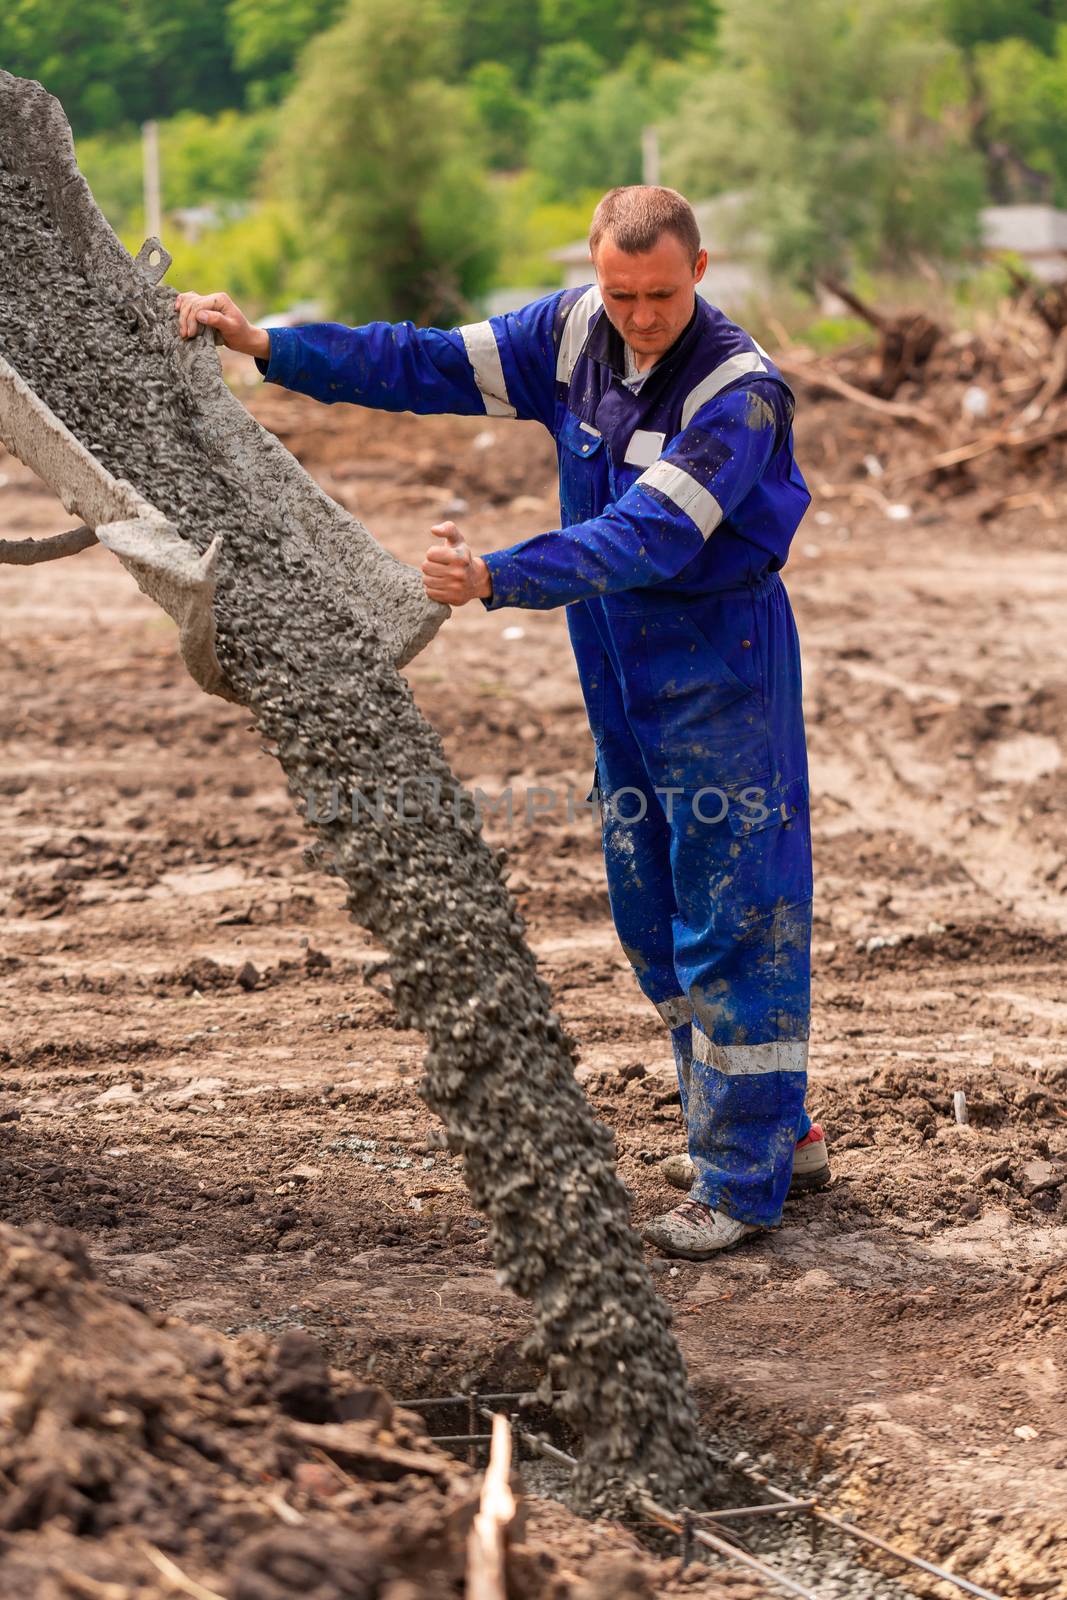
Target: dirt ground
{"x": 200, "y": 1070}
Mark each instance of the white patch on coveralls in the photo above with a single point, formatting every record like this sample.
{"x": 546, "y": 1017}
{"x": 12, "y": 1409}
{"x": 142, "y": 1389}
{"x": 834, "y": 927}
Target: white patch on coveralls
{"x": 483, "y": 353}
{"x": 576, "y": 331}
{"x": 644, "y": 448}
{"x": 684, "y": 491}
{"x": 728, "y": 372}
{"x": 676, "y": 1012}
{"x": 746, "y": 1060}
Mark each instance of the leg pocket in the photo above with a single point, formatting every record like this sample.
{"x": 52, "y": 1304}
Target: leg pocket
{"x": 701, "y": 722}
{"x": 686, "y": 672}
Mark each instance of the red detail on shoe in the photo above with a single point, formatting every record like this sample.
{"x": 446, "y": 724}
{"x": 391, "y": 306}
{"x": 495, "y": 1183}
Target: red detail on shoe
{"x": 815, "y": 1135}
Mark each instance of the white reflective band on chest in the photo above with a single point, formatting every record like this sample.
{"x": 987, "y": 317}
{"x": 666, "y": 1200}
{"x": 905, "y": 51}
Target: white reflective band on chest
{"x": 576, "y": 331}
{"x": 709, "y": 387}
{"x": 747, "y": 1060}
{"x": 483, "y": 353}
{"x": 674, "y": 1012}
{"x": 686, "y": 493}
{"x": 644, "y": 448}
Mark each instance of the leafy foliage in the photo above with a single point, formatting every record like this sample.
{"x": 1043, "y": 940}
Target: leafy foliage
{"x": 266, "y": 37}
{"x": 847, "y": 126}
{"x": 504, "y": 113}
{"x": 495, "y": 30}
{"x": 1024, "y": 95}
{"x": 256, "y": 258}
{"x": 975, "y": 22}
{"x": 530, "y": 228}
{"x": 203, "y": 160}
{"x": 595, "y": 142}
{"x": 396, "y": 214}
{"x": 566, "y": 71}
{"x": 668, "y": 31}
{"x": 112, "y": 61}
{"x": 866, "y": 132}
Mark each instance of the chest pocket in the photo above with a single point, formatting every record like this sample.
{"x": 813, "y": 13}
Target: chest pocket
{"x": 583, "y": 471}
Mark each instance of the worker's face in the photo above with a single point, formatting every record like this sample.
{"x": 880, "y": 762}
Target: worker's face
{"x": 649, "y": 298}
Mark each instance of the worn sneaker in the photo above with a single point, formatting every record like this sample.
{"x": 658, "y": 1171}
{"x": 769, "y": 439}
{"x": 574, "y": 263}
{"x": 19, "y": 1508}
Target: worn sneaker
{"x": 696, "y": 1232}
{"x": 811, "y": 1162}
{"x": 811, "y": 1165}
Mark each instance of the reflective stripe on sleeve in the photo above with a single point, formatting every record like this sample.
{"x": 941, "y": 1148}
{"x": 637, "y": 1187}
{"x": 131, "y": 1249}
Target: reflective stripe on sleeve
{"x": 737, "y": 367}
{"x": 576, "y": 331}
{"x": 746, "y": 1060}
{"x": 683, "y": 490}
{"x": 479, "y": 340}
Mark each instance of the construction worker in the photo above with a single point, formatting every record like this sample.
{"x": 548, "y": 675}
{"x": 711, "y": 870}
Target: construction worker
{"x": 679, "y": 497}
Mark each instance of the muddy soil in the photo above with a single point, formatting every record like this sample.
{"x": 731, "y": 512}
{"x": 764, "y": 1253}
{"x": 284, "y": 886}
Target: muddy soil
{"x": 201, "y": 1071}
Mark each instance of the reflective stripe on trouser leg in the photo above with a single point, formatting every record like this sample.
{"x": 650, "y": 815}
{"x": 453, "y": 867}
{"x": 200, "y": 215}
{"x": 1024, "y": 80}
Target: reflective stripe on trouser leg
{"x": 746, "y": 1094}
{"x": 743, "y": 1129}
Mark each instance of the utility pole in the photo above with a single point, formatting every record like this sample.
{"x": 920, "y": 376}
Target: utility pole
{"x": 649, "y": 155}
{"x": 153, "y": 216}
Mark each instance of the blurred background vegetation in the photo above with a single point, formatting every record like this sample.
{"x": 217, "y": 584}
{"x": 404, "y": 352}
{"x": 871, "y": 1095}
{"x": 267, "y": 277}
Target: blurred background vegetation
{"x": 403, "y": 157}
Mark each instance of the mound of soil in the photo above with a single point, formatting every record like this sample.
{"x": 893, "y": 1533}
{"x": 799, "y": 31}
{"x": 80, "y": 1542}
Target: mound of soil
{"x": 135, "y": 1444}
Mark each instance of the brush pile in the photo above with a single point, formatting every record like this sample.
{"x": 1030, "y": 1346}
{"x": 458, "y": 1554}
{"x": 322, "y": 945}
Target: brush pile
{"x": 968, "y": 420}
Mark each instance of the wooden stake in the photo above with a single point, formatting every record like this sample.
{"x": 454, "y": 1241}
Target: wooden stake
{"x": 487, "y": 1542}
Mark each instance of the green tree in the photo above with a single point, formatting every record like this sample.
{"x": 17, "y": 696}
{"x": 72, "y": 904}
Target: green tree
{"x": 675, "y": 29}
{"x": 267, "y": 36}
{"x": 115, "y": 61}
{"x": 670, "y": 30}
{"x": 384, "y": 166}
{"x": 846, "y": 124}
{"x": 595, "y": 142}
{"x": 185, "y": 58}
{"x": 495, "y": 30}
{"x": 203, "y": 161}
{"x": 975, "y": 22}
{"x": 566, "y": 71}
{"x": 1024, "y": 124}
{"x": 503, "y": 111}
{"x": 608, "y": 30}
{"x": 81, "y": 50}
{"x": 214, "y": 158}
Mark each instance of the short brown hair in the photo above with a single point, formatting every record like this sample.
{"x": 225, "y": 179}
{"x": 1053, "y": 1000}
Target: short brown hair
{"x": 636, "y": 215}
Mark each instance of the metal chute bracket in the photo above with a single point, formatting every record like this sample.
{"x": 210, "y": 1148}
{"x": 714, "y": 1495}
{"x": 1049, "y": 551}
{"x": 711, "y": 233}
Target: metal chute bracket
{"x": 165, "y": 566}
{"x": 154, "y": 259}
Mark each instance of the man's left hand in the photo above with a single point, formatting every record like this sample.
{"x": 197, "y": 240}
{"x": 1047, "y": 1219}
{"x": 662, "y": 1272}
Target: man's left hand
{"x": 451, "y": 573}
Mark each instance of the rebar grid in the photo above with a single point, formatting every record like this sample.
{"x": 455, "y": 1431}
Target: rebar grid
{"x": 684, "y": 1523}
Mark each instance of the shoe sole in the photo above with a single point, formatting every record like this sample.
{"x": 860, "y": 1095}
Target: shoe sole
{"x": 701, "y": 1255}
{"x": 811, "y": 1182}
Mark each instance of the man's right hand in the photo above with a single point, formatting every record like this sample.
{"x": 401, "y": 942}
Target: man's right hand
{"x": 218, "y": 311}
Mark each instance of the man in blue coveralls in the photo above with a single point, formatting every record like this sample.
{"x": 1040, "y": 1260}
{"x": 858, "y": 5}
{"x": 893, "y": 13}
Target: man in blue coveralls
{"x": 679, "y": 497}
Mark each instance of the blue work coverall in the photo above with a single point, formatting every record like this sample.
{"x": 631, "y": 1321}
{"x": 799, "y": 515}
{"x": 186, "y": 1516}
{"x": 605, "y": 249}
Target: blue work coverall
{"x": 679, "y": 499}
